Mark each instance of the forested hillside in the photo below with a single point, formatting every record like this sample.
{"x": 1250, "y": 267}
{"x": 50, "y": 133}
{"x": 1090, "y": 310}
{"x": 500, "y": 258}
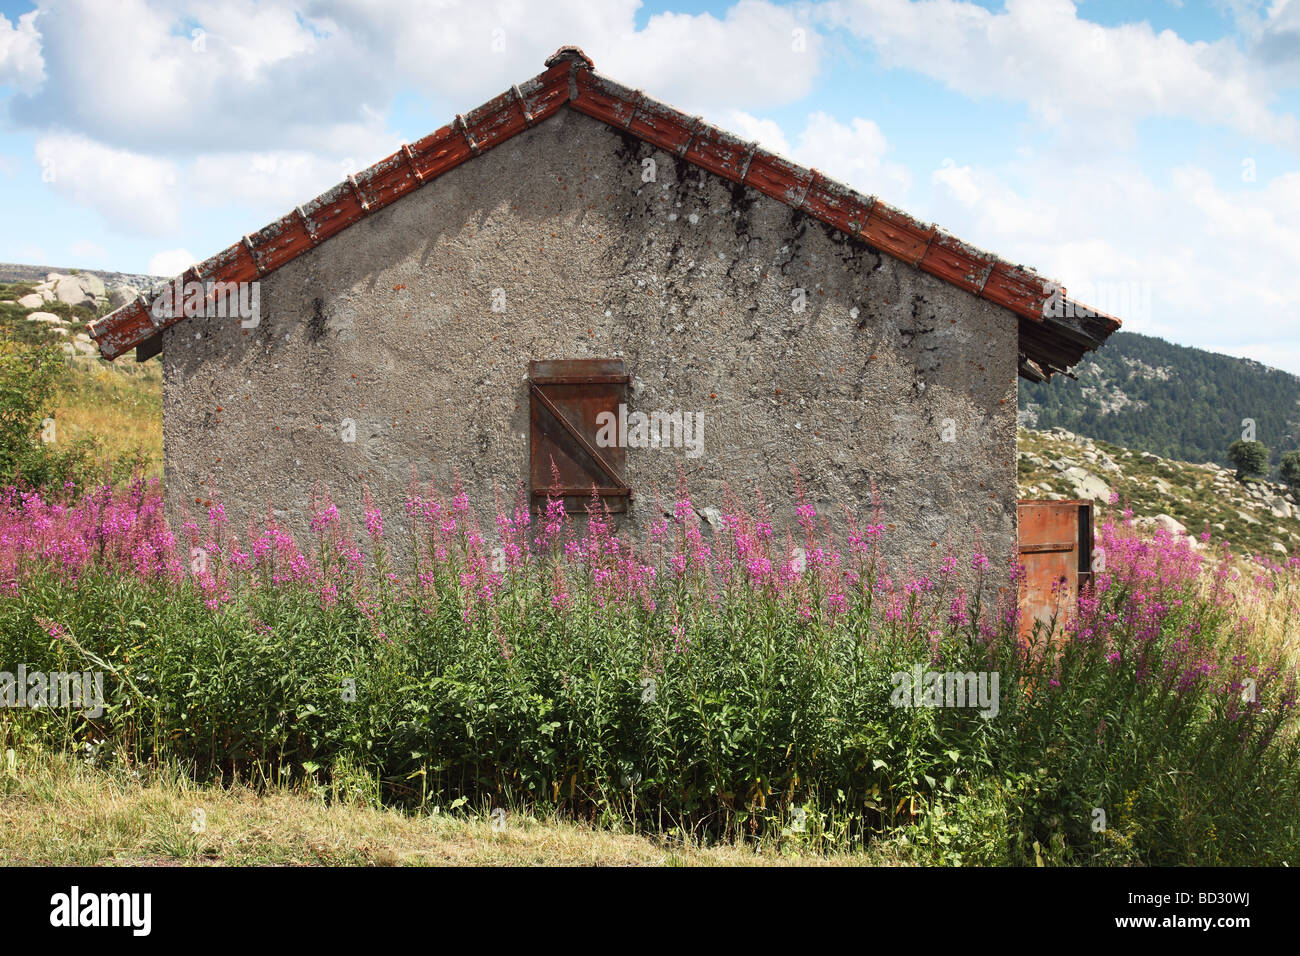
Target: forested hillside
{"x": 1171, "y": 400}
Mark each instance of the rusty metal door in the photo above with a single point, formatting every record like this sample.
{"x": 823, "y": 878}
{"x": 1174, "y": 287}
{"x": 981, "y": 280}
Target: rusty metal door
{"x": 1055, "y": 544}
{"x": 566, "y": 397}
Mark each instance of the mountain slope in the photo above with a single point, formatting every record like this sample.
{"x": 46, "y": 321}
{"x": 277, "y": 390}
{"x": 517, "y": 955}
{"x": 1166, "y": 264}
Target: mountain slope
{"x": 1253, "y": 517}
{"x": 1170, "y": 400}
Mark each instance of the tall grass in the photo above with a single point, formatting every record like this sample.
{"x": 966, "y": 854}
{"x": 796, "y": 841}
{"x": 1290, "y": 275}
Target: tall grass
{"x": 119, "y": 406}
{"x": 720, "y": 684}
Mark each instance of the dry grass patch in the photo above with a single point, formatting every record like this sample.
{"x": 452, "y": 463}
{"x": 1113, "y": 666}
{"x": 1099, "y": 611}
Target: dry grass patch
{"x": 118, "y": 405}
{"x": 57, "y": 810}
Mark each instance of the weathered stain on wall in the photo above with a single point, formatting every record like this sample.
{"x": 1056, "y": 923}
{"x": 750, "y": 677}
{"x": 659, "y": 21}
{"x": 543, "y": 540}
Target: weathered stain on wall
{"x": 689, "y": 278}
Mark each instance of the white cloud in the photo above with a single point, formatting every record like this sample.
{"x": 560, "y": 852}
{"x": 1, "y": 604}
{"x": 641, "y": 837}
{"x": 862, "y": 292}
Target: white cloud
{"x": 277, "y": 180}
{"x": 768, "y": 133}
{"x": 758, "y": 54}
{"x": 135, "y": 193}
{"x": 170, "y": 262}
{"x": 1078, "y": 77}
{"x": 1186, "y": 260}
{"x": 20, "y": 52}
{"x": 749, "y": 57}
{"x": 258, "y": 75}
{"x": 853, "y": 153}
{"x": 274, "y": 101}
{"x": 993, "y": 207}
{"x": 320, "y": 77}
{"x": 270, "y": 103}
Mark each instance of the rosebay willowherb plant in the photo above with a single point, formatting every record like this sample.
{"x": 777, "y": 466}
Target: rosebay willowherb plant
{"x": 707, "y": 680}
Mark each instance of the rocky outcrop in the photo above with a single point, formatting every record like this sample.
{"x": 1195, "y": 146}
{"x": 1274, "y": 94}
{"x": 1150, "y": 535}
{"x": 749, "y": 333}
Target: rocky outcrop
{"x": 1086, "y": 484}
{"x": 94, "y": 289}
{"x": 49, "y": 318}
{"x": 81, "y": 289}
{"x": 1180, "y": 497}
{"x": 85, "y": 290}
{"x": 89, "y": 293}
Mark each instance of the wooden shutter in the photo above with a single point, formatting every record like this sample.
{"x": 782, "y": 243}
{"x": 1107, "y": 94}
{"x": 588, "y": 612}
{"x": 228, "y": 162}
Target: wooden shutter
{"x": 1055, "y": 544}
{"x": 565, "y": 397}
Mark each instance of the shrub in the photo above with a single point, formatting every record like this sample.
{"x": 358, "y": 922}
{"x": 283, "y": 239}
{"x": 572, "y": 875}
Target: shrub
{"x": 29, "y": 451}
{"x": 1250, "y": 457}
{"x": 1289, "y": 469}
{"x": 710, "y": 685}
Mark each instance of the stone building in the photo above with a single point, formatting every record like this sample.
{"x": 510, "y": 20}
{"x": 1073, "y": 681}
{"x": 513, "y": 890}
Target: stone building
{"x": 569, "y": 272}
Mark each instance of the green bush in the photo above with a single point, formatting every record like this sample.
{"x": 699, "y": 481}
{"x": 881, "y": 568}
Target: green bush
{"x": 1144, "y": 731}
{"x": 30, "y": 453}
{"x": 1250, "y": 457}
{"x": 1289, "y": 469}
{"x": 764, "y": 715}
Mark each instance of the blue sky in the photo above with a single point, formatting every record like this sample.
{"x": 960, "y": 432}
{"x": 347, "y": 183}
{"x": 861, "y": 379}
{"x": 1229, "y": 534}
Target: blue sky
{"x": 1143, "y": 153}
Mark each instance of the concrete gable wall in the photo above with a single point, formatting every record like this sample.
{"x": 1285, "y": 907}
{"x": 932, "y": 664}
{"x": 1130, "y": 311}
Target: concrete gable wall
{"x": 689, "y": 278}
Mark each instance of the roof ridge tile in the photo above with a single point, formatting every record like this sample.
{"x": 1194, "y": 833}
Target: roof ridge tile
{"x": 571, "y": 78}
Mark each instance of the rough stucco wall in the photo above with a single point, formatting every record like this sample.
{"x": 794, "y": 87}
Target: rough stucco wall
{"x": 690, "y": 279}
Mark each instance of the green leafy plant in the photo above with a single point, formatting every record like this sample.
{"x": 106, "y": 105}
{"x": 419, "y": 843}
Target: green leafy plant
{"x": 1144, "y": 730}
{"x": 1249, "y": 457}
{"x": 30, "y": 453}
{"x": 1289, "y": 468}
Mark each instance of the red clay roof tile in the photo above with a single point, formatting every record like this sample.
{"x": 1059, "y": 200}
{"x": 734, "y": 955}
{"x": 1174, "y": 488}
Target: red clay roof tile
{"x": 1065, "y": 331}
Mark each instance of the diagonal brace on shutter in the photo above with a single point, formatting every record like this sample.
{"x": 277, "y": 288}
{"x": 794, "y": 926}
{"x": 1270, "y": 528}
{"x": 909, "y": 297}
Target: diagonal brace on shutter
{"x": 577, "y": 435}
